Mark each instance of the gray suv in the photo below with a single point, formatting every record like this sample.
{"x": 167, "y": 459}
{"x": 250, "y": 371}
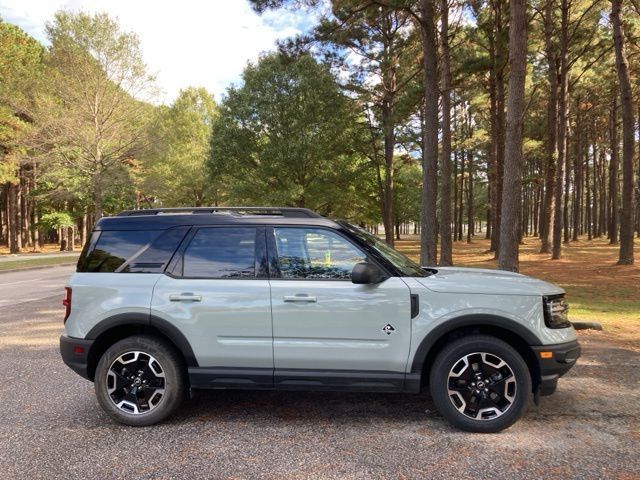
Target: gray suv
{"x": 169, "y": 300}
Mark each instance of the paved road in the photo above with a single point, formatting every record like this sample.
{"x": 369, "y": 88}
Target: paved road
{"x": 24, "y": 286}
{"x": 51, "y": 426}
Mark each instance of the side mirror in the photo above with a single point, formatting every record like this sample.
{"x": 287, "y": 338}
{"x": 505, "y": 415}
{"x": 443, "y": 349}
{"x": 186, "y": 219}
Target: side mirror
{"x": 366, "y": 273}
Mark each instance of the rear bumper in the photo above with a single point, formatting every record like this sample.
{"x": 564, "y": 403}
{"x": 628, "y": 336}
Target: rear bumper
{"x": 75, "y": 354}
{"x": 559, "y": 361}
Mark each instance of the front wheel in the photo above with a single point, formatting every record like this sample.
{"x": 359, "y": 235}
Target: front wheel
{"x": 140, "y": 380}
{"x": 480, "y": 383}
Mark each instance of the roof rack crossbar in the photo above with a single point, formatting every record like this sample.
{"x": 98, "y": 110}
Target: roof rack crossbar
{"x": 291, "y": 212}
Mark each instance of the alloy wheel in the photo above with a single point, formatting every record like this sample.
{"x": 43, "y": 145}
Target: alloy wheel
{"x": 481, "y": 386}
{"x": 136, "y": 382}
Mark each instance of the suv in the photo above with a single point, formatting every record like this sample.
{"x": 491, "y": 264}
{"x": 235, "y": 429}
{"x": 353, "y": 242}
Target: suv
{"x": 169, "y": 300}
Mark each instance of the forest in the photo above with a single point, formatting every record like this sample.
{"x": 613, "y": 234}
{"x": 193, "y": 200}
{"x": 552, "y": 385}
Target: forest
{"x": 452, "y": 120}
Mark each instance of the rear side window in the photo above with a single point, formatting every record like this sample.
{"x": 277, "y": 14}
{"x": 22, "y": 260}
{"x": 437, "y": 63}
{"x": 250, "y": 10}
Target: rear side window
{"x": 131, "y": 251}
{"x": 221, "y": 252}
{"x": 155, "y": 257}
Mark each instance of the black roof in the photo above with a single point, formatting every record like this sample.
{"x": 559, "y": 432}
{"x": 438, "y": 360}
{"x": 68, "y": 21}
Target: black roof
{"x": 163, "y": 218}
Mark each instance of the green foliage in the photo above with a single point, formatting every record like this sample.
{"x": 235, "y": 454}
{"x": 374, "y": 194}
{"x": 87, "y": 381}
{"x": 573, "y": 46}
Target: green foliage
{"x": 286, "y": 138}
{"x": 20, "y": 69}
{"x": 97, "y": 122}
{"x": 406, "y": 192}
{"x": 55, "y": 220}
{"x": 176, "y": 172}
{"x": 324, "y": 129}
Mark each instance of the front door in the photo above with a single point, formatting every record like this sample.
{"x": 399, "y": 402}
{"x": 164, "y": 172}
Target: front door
{"x": 322, "y": 322}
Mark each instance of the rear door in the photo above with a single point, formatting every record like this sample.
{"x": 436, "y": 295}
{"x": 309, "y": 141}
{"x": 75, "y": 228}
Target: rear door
{"x": 217, "y": 295}
{"x": 322, "y": 322}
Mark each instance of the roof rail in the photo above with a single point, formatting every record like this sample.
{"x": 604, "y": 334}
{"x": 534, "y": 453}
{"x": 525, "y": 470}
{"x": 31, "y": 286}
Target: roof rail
{"x": 289, "y": 212}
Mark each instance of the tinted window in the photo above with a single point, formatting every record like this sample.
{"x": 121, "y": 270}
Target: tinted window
{"x": 221, "y": 253}
{"x": 154, "y": 258}
{"x": 315, "y": 254}
{"x": 113, "y": 248}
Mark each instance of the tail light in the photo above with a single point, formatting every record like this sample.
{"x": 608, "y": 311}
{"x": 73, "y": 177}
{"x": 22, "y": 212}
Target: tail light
{"x": 67, "y": 303}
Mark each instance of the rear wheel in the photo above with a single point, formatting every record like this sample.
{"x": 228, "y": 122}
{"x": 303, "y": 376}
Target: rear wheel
{"x": 480, "y": 384}
{"x": 140, "y": 380}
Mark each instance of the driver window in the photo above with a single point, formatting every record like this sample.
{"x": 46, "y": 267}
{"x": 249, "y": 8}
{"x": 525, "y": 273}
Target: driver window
{"x": 313, "y": 253}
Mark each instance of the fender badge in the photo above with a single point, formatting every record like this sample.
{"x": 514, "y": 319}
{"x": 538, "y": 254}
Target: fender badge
{"x": 388, "y": 329}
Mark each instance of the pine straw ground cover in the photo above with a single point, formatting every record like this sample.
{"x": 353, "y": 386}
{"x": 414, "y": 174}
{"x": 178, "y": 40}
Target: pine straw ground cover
{"x": 597, "y": 289}
{"x": 46, "y": 248}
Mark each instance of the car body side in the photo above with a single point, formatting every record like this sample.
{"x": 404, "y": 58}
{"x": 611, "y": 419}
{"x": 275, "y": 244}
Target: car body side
{"x": 106, "y": 306}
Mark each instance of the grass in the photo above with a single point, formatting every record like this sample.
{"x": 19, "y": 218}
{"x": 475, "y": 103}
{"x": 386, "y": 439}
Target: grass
{"x": 21, "y": 263}
{"x": 598, "y": 290}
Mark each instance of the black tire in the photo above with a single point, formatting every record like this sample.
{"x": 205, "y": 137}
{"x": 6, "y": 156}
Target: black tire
{"x": 157, "y": 376}
{"x": 504, "y": 397}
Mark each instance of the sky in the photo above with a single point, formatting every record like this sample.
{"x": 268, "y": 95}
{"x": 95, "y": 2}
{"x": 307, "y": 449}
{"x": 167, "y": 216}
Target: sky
{"x": 185, "y": 43}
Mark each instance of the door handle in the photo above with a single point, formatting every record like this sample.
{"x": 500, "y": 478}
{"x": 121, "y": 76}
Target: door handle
{"x": 299, "y": 299}
{"x": 185, "y": 297}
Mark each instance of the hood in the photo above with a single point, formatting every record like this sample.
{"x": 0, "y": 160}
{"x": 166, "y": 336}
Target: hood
{"x": 485, "y": 281}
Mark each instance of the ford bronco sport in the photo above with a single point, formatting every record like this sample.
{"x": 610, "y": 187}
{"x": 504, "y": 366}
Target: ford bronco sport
{"x": 169, "y": 300}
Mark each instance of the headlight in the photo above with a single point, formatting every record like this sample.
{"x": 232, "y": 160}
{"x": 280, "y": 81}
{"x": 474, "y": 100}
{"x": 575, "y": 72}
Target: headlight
{"x": 556, "y": 311}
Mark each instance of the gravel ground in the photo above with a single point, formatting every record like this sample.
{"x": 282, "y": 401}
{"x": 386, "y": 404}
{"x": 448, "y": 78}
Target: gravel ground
{"x": 51, "y": 425}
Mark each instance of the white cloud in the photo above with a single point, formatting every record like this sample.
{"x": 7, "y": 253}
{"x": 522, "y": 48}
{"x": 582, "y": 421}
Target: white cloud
{"x": 187, "y": 42}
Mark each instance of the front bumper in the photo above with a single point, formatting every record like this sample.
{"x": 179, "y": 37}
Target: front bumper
{"x": 75, "y": 353}
{"x": 553, "y": 362}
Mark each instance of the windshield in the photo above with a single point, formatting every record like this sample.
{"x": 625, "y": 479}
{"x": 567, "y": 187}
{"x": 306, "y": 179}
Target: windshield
{"x": 408, "y": 267}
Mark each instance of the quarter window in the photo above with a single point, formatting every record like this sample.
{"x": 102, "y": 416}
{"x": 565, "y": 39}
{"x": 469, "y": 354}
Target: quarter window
{"x": 315, "y": 254}
{"x": 114, "y": 248}
{"x": 221, "y": 253}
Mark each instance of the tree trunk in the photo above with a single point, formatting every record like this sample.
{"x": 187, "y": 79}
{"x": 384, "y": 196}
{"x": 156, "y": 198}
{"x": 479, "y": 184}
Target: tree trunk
{"x": 567, "y": 183}
{"x": 496, "y": 107}
{"x": 97, "y": 203}
{"x": 626, "y": 99}
{"x": 25, "y": 239}
{"x": 588, "y": 199}
{"x": 470, "y": 229}
{"x": 388, "y": 190}
{"x": 512, "y": 185}
{"x": 13, "y": 217}
{"x": 445, "y": 184}
{"x": 558, "y": 216}
{"x": 36, "y": 231}
{"x": 551, "y": 146}
{"x": 389, "y": 144}
{"x": 613, "y": 174}
{"x": 455, "y": 194}
{"x": 428, "y": 221}
{"x": 83, "y": 230}
{"x": 577, "y": 168}
{"x": 71, "y": 236}
{"x": 500, "y": 156}
{"x": 602, "y": 204}
{"x": 461, "y": 199}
